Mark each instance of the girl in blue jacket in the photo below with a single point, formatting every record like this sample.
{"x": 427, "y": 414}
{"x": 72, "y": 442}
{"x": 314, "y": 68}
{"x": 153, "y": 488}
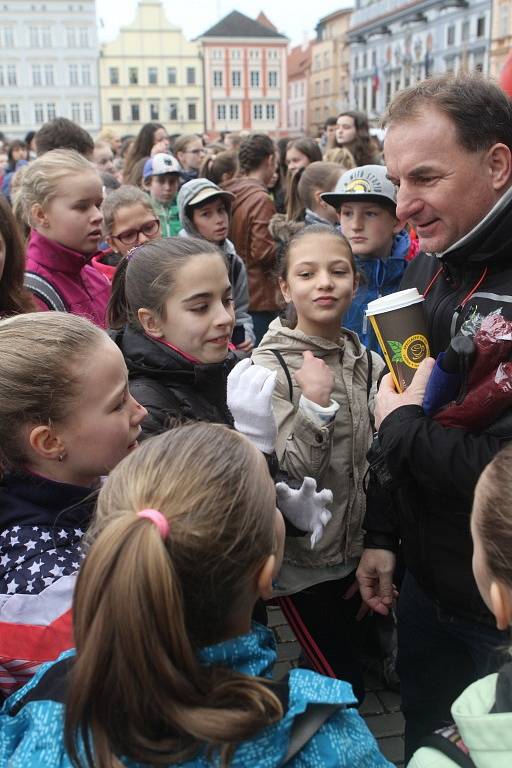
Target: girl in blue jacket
{"x": 169, "y": 668}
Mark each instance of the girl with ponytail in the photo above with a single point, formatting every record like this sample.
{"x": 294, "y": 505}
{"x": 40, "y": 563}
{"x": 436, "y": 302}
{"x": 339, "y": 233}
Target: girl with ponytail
{"x": 169, "y": 669}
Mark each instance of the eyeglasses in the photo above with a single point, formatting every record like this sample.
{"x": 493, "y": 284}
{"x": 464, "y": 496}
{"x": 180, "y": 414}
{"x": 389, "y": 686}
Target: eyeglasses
{"x": 130, "y": 236}
{"x": 196, "y": 151}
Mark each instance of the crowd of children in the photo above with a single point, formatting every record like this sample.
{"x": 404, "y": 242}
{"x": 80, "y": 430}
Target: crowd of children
{"x": 211, "y": 308}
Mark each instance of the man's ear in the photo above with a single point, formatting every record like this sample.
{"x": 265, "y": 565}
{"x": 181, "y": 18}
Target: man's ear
{"x": 398, "y": 226}
{"x": 499, "y": 160}
{"x": 501, "y": 604}
{"x": 265, "y": 577}
{"x": 283, "y": 285}
{"x": 45, "y": 442}
{"x": 150, "y": 322}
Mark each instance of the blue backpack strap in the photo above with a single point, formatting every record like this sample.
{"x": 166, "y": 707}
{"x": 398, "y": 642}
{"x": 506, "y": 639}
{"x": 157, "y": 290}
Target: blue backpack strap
{"x": 44, "y": 291}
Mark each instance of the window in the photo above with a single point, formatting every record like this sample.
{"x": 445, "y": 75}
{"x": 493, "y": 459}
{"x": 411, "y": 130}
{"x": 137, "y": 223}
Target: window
{"x": 3, "y": 115}
{"x": 217, "y": 78}
{"x": 504, "y": 16}
{"x": 73, "y": 74}
{"x": 234, "y": 112}
{"x": 11, "y": 74}
{"x": 33, "y": 33}
{"x": 236, "y": 78}
{"x": 191, "y": 75}
{"x": 365, "y": 98}
{"x": 450, "y": 35}
{"x": 39, "y": 113}
{"x": 113, "y": 75}
{"x": 171, "y": 76}
{"x": 317, "y": 88}
{"x": 217, "y": 53}
{"x": 135, "y": 112}
{"x": 235, "y": 53}
{"x": 464, "y": 33}
{"x": 272, "y": 79}
{"x": 271, "y": 111}
{"x": 51, "y": 111}
{"x": 46, "y": 35}
{"x": 8, "y": 37}
{"x": 84, "y": 37}
{"x": 374, "y": 58}
{"x": 327, "y": 86}
{"x": 116, "y": 113}
{"x": 365, "y": 60}
{"x": 221, "y": 111}
{"x": 152, "y": 76}
{"x": 133, "y": 75}
{"x": 192, "y": 110}
{"x": 88, "y": 112}
{"x": 326, "y": 59}
{"x": 388, "y": 91}
{"x": 71, "y": 37}
{"x": 48, "y": 74}
{"x": 86, "y": 74}
{"x": 356, "y": 63}
{"x": 1, "y": 75}
{"x": 172, "y": 110}
{"x": 154, "y": 110}
{"x": 317, "y": 61}
{"x": 255, "y": 78}
{"x": 254, "y": 54}
{"x": 75, "y": 111}
{"x": 480, "y": 26}
{"x": 257, "y": 111}
{"x": 15, "y": 114}
{"x": 295, "y": 90}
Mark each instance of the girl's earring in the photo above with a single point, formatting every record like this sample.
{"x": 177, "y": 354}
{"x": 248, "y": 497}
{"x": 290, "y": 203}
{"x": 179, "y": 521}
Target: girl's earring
{"x": 61, "y": 457}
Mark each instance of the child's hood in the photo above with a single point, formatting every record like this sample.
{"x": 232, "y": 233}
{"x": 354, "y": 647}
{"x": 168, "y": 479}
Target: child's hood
{"x": 187, "y": 193}
{"x": 281, "y": 337}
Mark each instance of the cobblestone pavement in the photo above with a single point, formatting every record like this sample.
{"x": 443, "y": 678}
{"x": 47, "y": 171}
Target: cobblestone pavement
{"x": 381, "y": 707}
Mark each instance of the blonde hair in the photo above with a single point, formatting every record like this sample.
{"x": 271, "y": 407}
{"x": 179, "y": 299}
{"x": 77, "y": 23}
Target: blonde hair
{"x": 40, "y": 182}
{"x": 38, "y": 351}
{"x": 143, "y": 607}
{"x": 320, "y": 176}
{"x": 107, "y": 135}
{"x": 342, "y": 156}
{"x": 126, "y": 195}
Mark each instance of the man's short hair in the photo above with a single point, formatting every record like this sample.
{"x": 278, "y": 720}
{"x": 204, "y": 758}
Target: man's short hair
{"x": 333, "y": 120}
{"x": 480, "y": 110}
{"x": 254, "y": 150}
{"x": 62, "y": 133}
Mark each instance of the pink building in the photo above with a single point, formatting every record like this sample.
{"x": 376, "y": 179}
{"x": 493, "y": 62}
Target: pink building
{"x": 245, "y": 75}
{"x": 299, "y": 67}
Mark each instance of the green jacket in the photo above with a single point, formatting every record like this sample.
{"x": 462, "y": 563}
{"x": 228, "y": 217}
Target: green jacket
{"x": 487, "y": 735}
{"x": 169, "y": 218}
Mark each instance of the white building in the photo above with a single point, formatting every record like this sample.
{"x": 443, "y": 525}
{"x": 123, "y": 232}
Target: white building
{"x": 48, "y": 64}
{"x": 393, "y": 45}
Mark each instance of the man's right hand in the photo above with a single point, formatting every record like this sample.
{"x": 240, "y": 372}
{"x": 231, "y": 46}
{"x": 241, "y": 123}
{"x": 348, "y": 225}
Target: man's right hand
{"x": 375, "y": 577}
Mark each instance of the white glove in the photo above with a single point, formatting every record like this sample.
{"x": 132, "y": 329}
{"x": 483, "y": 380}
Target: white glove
{"x": 305, "y": 508}
{"x": 250, "y": 389}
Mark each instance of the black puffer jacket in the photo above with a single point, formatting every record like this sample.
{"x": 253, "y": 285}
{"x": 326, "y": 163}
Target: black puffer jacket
{"x": 435, "y": 469}
{"x": 169, "y": 386}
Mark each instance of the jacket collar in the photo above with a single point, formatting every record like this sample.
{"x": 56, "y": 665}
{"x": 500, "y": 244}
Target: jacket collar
{"x": 251, "y": 654}
{"x": 55, "y": 256}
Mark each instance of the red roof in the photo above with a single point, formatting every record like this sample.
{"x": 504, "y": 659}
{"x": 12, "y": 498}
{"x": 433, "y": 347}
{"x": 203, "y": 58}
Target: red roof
{"x": 299, "y": 60}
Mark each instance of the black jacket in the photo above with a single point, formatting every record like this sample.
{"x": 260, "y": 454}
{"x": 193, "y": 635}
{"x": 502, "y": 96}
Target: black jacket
{"x": 169, "y": 386}
{"x": 433, "y": 470}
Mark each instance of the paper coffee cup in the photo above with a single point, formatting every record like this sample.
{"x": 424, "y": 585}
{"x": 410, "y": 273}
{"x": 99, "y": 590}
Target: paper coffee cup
{"x": 400, "y": 326}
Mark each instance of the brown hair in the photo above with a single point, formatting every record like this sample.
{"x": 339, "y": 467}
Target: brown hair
{"x": 320, "y": 176}
{"x": 214, "y": 168}
{"x": 142, "y": 145}
{"x": 283, "y": 264}
{"x": 133, "y": 176}
{"x": 146, "y": 276}
{"x": 143, "y": 607}
{"x": 14, "y": 298}
{"x": 254, "y": 150}
{"x": 37, "y": 385}
{"x": 479, "y": 109}
{"x": 361, "y": 147}
{"x": 308, "y": 147}
{"x": 493, "y": 502}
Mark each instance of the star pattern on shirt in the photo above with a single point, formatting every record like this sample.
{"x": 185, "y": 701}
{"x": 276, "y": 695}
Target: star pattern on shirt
{"x": 32, "y": 558}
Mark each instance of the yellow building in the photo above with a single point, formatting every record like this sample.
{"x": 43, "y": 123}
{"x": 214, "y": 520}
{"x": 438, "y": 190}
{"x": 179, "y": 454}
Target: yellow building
{"x": 151, "y": 73}
{"x": 329, "y": 80}
{"x": 501, "y": 35}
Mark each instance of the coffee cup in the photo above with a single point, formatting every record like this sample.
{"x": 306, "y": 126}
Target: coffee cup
{"x": 400, "y": 325}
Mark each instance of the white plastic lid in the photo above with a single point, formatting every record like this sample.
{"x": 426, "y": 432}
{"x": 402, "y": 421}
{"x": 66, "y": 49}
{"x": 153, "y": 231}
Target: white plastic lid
{"x": 394, "y": 301}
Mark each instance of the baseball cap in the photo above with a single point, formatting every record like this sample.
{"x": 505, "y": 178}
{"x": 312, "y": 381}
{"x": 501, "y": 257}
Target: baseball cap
{"x": 159, "y": 164}
{"x": 207, "y": 192}
{"x": 368, "y": 182}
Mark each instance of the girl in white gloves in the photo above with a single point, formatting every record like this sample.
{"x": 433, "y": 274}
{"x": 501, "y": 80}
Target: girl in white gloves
{"x": 325, "y": 382}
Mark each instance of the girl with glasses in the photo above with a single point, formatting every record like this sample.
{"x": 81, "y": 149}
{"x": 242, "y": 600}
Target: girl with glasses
{"x": 128, "y": 220}
{"x": 190, "y": 153}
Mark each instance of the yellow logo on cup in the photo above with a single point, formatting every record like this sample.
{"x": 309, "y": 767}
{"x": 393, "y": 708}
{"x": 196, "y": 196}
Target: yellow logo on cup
{"x": 414, "y": 350}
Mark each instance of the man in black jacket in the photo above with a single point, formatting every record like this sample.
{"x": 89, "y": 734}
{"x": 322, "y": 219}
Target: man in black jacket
{"x": 448, "y": 149}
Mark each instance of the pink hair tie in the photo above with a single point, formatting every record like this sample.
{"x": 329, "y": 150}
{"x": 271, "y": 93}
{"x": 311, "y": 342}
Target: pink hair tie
{"x": 158, "y": 519}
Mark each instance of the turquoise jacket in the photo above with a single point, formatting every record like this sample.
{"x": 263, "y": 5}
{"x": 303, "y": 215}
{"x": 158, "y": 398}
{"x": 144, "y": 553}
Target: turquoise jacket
{"x": 33, "y": 738}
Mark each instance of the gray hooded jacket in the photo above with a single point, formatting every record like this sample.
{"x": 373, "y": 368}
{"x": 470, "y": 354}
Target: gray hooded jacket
{"x": 236, "y": 267}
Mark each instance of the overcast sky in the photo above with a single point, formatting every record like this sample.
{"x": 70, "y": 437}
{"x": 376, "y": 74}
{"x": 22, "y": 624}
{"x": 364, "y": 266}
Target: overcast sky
{"x": 292, "y": 18}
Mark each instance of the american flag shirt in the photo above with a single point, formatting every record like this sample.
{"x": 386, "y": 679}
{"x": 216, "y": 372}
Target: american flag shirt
{"x": 42, "y": 524}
